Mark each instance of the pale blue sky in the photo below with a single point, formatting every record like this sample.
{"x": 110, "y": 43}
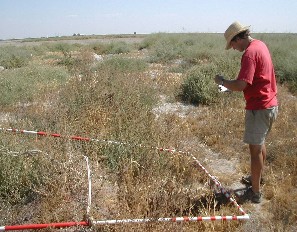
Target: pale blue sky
{"x": 40, "y": 18}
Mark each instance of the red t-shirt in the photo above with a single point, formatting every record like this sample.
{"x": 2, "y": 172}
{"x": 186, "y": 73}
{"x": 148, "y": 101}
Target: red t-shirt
{"x": 258, "y": 71}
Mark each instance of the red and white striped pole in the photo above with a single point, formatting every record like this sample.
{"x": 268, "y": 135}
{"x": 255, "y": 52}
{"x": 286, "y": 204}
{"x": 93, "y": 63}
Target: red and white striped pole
{"x": 173, "y": 219}
{"x": 43, "y": 226}
{"x": 220, "y": 187}
{"x": 123, "y": 221}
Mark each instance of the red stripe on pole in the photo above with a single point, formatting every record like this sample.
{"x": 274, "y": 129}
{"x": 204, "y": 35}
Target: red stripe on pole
{"x": 213, "y": 218}
{"x": 186, "y": 219}
{"x": 199, "y": 218}
{"x": 234, "y": 218}
{"x": 42, "y": 226}
{"x": 79, "y": 138}
{"x": 42, "y": 133}
{"x": 56, "y": 135}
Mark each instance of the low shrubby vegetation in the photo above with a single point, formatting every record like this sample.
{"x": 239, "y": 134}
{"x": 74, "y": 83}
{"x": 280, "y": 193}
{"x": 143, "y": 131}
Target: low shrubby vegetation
{"x": 198, "y": 88}
{"x": 112, "y": 48}
{"x": 61, "y": 88}
{"x": 28, "y": 84}
{"x": 12, "y": 57}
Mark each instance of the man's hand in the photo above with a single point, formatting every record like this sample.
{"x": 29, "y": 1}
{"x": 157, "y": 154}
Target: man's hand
{"x": 219, "y": 79}
{"x": 231, "y": 85}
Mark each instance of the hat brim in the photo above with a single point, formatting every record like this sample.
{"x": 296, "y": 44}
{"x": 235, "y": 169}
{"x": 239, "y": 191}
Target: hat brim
{"x": 228, "y": 44}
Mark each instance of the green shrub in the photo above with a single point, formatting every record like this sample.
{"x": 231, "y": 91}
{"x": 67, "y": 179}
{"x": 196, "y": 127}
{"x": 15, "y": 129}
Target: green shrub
{"x": 65, "y": 48}
{"x": 285, "y": 68}
{"x": 286, "y": 72}
{"x": 14, "y": 57}
{"x": 151, "y": 40}
{"x": 118, "y": 64}
{"x": 118, "y": 48}
{"x": 228, "y": 65}
{"x": 199, "y": 86}
{"x": 201, "y": 48}
{"x": 185, "y": 50}
{"x": 165, "y": 49}
{"x": 19, "y": 176}
{"x": 23, "y": 85}
{"x": 111, "y": 48}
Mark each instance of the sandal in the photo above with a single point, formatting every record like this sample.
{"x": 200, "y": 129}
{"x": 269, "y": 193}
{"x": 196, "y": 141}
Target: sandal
{"x": 250, "y": 195}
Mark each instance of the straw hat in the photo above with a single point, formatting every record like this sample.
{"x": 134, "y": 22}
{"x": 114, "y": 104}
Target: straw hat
{"x": 233, "y": 30}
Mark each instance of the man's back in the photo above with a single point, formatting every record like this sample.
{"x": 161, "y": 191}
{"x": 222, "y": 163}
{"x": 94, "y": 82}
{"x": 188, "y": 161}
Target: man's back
{"x": 258, "y": 71}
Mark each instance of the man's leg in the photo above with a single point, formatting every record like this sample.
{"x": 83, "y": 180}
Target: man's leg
{"x": 263, "y": 154}
{"x": 258, "y": 155}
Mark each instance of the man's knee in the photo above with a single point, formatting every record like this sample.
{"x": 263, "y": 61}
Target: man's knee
{"x": 255, "y": 150}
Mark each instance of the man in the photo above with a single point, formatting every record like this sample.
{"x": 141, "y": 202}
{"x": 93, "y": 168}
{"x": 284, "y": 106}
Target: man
{"x": 257, "y": 81}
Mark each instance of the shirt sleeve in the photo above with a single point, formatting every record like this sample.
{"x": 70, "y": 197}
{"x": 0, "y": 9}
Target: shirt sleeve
{"x": 247, "y": 70}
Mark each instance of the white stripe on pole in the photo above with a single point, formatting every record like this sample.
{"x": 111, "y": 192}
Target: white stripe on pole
{"x": 28, "y": 132}
{"x": 89, "y": 186}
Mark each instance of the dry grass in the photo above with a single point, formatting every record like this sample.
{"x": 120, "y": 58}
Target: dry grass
{"x": 131, "y": 181}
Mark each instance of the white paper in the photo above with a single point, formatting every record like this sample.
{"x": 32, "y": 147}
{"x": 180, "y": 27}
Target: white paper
{"x": 223, "y": 89}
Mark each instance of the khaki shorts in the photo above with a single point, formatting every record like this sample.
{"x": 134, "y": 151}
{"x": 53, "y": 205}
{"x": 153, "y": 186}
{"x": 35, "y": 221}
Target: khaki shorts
{"x": 258, "y": 123}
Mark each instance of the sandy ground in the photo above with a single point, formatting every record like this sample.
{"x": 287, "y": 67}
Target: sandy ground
{"x": 107, "y": 39}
